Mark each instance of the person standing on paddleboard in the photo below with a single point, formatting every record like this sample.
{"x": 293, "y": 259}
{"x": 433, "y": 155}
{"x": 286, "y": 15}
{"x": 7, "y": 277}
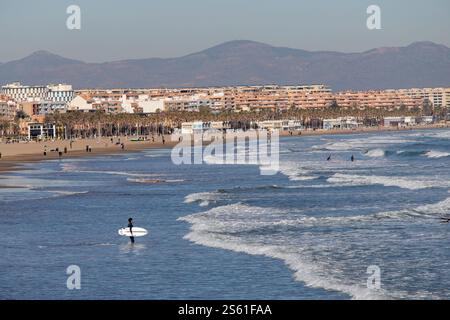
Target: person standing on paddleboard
{"x": 130, "y": 225}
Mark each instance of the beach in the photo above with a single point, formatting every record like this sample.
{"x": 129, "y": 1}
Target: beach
{"x": 15, "y": 154}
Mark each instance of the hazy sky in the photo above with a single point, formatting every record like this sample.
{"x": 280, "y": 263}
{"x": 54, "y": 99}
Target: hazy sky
{"x": 113, "y": 29}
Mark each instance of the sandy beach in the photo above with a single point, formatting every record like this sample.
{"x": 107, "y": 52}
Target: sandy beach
{"x": 14, "y": 154}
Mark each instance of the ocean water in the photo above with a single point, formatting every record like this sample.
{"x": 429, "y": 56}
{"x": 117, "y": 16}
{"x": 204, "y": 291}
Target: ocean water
{"x": 223, "y": 231}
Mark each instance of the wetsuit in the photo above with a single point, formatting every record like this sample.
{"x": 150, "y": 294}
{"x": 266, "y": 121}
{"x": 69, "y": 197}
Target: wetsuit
{"x": 130, "y": 225}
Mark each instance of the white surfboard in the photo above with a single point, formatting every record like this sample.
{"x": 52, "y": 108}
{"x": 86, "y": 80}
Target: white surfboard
{"x": 137, "y": 232}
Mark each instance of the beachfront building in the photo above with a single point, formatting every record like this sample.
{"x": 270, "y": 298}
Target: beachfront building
{"x": 446, "y": 100}
{"x": 195, "y": 127}
{"x": 376, "y": 99}
{"x": 292, "y": 125}
{"x": 51, "y": 92}
{"x": 340, "y": 123}
{"x": 394, "y": 121}
{"x": 254, "y": 98}
{"x": 438, "y": 97}
{"x": 271, "y": 125}
{"x": 275, "y": 98}
{"x": 40, "y": 131}
{"x": 407, "y": 121}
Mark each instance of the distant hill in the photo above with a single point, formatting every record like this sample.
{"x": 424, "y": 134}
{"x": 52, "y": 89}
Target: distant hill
{"x": 421, "y": 64}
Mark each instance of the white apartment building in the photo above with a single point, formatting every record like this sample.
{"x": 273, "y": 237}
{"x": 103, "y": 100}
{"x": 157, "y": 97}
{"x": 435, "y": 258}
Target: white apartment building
{"x": 21, "y": 93}
{"x": 60, "y": 93}
{"x": 52, "y": 92}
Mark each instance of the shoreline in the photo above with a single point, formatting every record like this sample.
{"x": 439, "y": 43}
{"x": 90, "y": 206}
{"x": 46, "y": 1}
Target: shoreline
{"x": 13, "y": 159}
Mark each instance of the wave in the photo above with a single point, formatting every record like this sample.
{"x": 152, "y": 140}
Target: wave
{"x": 153, "y": 181}
{"x": 375, "y": 153}
{"x": 319, "y": 258}
{"x": 74, "y": 169}
{"x": 69, "y": 193}
{"x": 295, "y": 172}
{"x": 240, "y": 228}
{"x": 203, "y": 198}
{"x": 401, "y": 182}
{"x": 361, "y": 144}
{"x": 436, "y": 154}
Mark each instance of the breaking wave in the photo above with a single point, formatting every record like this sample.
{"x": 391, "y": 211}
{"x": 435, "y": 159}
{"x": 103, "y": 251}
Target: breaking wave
{"x": 437, "y": 154}
{"x": 401, "y": 182}
{"x": 268, "y": 231}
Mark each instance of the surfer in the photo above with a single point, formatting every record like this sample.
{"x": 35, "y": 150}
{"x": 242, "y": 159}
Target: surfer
{"x": 329, "y": 158}
{"x": 352, "y": 158}
{"x": 130, "y": 225}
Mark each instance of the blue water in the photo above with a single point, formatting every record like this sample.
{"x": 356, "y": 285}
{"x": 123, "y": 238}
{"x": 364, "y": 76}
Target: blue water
{"x": 225, "y": 231}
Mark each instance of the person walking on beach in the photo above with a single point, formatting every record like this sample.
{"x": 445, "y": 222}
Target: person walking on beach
{"x": 130, "y": 225}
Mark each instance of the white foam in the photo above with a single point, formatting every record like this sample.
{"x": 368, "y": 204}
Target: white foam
{"x": 294, "y": 171}
{"x": 221, "y": 227}
{"x": 362, "y": 144}
{"x": 153, "y": 181}
{"x": 401, "y": 182}
{"x": 202, "y": 198}
{"x": 375, "y": 153}
{"x": 74, "y": 169}
{"x": 69, "y": 193}
{"x": 437, "y": 154}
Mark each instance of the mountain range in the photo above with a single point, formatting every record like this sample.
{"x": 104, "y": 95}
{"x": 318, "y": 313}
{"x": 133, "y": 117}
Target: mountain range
{"x": 242, "y": 62}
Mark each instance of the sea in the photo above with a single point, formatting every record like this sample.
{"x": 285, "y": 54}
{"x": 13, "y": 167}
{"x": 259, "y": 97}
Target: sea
{"x": 372, "y": 228}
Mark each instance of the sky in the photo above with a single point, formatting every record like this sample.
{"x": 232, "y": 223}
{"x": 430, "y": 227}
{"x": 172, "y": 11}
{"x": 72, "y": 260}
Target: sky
{"x": 115, "y": 30}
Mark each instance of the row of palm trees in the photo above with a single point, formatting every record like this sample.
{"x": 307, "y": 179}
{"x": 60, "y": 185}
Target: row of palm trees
{"x": 89, "y": 124}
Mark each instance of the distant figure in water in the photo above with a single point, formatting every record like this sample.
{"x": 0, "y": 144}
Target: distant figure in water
{"x": 352, "y": 158}
{"x": 130, "y": 225}
{"x": 445, "y": 220}
{"x": 329, "y": 158}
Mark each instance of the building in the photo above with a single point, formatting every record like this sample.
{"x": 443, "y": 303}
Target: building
{"x": 152, "y": 106}
{"x": 7, "y": 108}
{"x": 40, "y": 131}
{"x": 80, "y": 103}
{"x": 20, "y": 93}
{"x": 195, "y": 127}
{"x": 59, "y": 93}
{"x": 438, "y": 97}
{"x": 340, "y": 123}
{"x": 52, "y": 92}
{"x": 45, "y": 107}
